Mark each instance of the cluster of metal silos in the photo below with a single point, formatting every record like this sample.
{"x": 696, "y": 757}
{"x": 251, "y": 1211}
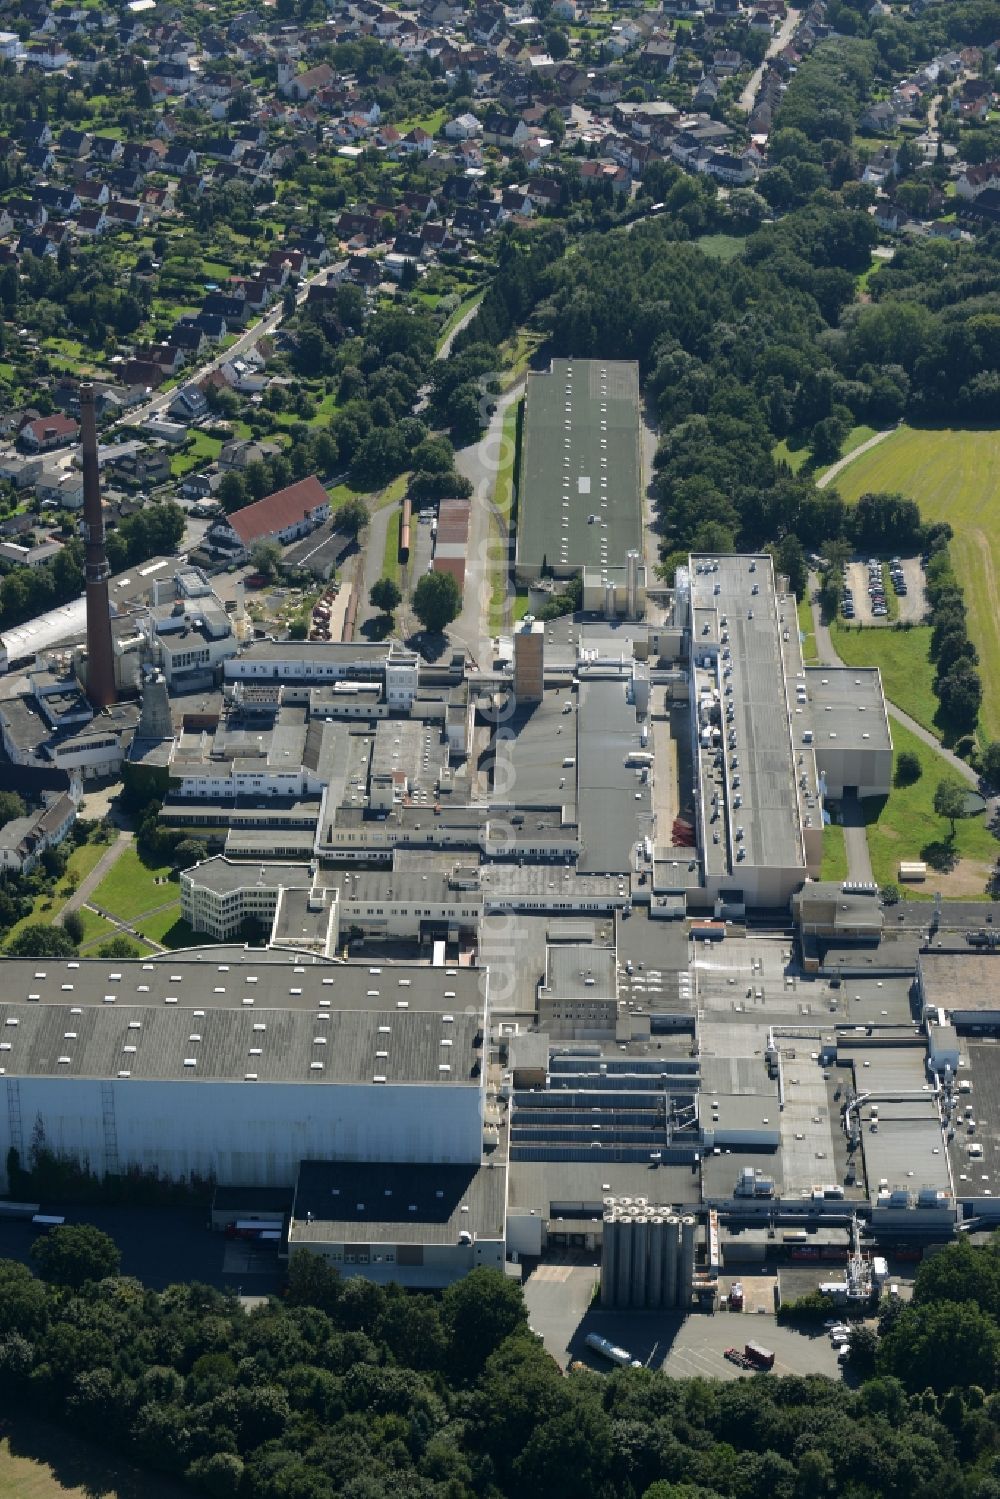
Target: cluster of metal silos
{"x": 647, "y": 1255}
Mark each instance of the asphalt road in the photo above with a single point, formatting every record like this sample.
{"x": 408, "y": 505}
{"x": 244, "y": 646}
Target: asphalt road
{"x": 479, "y": 464}
{"x": 782, "y": 39}
{"x": 161, "y": 1246}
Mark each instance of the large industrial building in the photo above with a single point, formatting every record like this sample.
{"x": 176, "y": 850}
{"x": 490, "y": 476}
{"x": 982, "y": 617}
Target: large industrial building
{"x": 580, "y": 506}
{"x": 497, "y": 1005}
{"x": 240, "y": 1069}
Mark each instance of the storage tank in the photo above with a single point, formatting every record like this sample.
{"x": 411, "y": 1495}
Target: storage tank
{"x": 671, "y": 1253}
{"x": 657, "y": 1238}
{"x": 623, "y": 1266}
{"x": 689, "y": 1228}
{"x": 609, "y": 1246}
{"x": 640, "y": 1240}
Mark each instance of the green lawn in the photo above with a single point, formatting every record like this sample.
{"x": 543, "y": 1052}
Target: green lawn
{"x": 503, "y": 499}
{"x": 340, "y": 494}
{"x": 81, "y": 861}
{"x": 903, "y": 658}
{"x": 503, "y": 491}
{"x": 156, "y": 927}
{"x": 862, "y": 279}
{"x": 432, "y": 123}
{"x": 393, "y": 492}
{"x": 952, "y": 476}
{"x": 901, "y": 826}
{"x": 390, "y": 553}
{"x": 855, "y": 438}
{"x": 45, "y": 907}
{"x": 834, "y": 865}
{"x": 721, "y": 246}
{"x": 177, "y": 934}
{"x": 132, "y": 887}
{"x": 798, "y": 456}
{"x": 794, "y": 457}
{"x": 199, "y": 450}
{"x": 810, "y": 655}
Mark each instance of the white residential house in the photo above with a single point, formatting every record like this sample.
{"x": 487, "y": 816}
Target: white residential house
{"x": 464, "y": 127}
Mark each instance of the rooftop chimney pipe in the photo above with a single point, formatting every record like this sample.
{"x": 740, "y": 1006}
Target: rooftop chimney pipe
{"x": 100, "y": 657}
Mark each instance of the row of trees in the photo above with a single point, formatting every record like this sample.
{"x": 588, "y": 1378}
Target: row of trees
{"x": 957, "y": 681}
{"x": 348, "y": 1388}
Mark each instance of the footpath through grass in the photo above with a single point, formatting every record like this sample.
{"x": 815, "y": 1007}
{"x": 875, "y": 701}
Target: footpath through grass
{"x": 131, "y": 887}
{"x": 904, "y": 826}
{"x": 46, "y": 907}
{"x": 952, "y": 476}
{"x": 903, "y": 657}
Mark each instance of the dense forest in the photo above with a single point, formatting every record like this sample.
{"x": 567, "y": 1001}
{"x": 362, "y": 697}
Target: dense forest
{"x": 348, "y": 1389}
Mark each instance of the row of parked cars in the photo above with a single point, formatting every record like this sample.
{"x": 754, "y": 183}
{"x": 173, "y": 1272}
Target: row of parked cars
{"x": 876, "y": 589}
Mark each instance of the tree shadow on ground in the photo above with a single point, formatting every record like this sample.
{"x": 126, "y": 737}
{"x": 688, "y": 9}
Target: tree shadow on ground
{"x": 81, "y": 1466}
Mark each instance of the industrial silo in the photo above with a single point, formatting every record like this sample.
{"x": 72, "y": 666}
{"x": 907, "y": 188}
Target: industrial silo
{"x": 640, "y": 1241}
{"x": 654, "y": 1284}
{"x": 623, "y": 1257}
{"x": 689, "y": 1227}
{"x": 671, "y": 1255}
{"x": 609, "y": 1246}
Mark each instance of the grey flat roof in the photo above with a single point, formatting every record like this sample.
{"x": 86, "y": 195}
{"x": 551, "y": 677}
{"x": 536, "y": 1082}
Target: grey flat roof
{"x": 296, "y": 920}
{"x": 984, "y": 1070}
{"x": 549, "y": 1185}
{"x": 364, "y": 1203}
{"x": 530, "y": 751}
{"x": 960, "y": 980}
{"x": 397, "y": 886}
{"x": 531, "y": 881}
{"x": 226, "y": 1045}
{"x": 769, "y": 814}
{"x": 615, "y": 802}
{"x": 224, "y": 876}
{"x": 848, "y": 701}
{"x": 577, "y": 971}
{"x": 225, "y": 984}
{"x": 907, "y": 1150}
{"x": 581, "y": 458}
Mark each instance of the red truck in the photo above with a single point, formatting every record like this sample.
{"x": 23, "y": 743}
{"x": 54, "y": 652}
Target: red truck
{"x": 758, "y": 1357}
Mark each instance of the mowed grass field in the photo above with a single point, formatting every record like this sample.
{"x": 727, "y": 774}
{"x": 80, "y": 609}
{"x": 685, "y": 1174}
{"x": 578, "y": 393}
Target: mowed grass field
{"x": 902, "y": 656}
{"x": 952, "y": 476}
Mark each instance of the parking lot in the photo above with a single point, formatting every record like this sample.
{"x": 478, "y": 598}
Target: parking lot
{"x": 911, "y": 603}
{"x": 560, "y": 1309}
{"x": 163, "y": 1245}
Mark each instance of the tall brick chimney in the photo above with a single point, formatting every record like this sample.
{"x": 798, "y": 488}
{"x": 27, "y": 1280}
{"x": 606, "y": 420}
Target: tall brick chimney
{"x": 100, "y": 656}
